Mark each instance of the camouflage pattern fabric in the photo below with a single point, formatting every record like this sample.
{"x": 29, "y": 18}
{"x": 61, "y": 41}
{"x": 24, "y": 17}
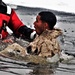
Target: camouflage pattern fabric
{"x": 46, "y": 44}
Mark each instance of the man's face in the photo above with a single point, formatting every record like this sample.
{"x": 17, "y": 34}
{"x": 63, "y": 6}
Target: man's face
{"x": 39, "y": 25}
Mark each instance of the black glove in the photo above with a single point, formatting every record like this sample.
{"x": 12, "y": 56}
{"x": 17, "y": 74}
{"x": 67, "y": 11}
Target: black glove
{"x": 27, "y": 32}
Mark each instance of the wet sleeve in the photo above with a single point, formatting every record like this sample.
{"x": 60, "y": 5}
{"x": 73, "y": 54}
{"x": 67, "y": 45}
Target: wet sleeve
{"x": 17, "y": 26}
{"x": 14, "y": 23}
{"x": 29, "y": 33}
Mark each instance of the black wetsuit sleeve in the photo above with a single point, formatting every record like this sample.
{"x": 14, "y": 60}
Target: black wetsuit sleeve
{"x": 25, "y": 31}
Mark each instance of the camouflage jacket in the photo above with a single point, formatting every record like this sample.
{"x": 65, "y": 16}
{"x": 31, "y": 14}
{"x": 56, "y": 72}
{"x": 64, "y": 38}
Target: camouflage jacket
{"x": 46, "y": 44}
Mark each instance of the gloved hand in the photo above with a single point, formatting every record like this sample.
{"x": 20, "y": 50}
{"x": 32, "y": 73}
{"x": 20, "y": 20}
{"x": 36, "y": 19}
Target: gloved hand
{"x": 27, "y": 32}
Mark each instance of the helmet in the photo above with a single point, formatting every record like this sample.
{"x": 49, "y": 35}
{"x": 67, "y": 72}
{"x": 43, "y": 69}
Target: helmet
{"x": 2, "y": 3}
{"x": 0, "y": 0}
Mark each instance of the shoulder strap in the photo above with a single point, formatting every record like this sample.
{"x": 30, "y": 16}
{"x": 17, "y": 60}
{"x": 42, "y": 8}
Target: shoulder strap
{"x": 8, "y": 10}
{"x": 5, "y": 10}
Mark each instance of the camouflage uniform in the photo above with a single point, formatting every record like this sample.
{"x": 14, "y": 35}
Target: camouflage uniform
{"x": 46, "y": 44}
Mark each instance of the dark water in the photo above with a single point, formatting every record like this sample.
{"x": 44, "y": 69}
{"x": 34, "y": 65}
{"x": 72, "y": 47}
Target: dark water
{"x": 66, "y": 22}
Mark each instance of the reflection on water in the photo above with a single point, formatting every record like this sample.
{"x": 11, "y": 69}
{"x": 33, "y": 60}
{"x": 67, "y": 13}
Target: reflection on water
{"x": 43, "y": 71}
{"x": 12, "y": 67}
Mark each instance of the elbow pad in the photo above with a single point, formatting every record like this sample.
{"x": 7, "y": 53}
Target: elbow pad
{"x": 27, "y": 32}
